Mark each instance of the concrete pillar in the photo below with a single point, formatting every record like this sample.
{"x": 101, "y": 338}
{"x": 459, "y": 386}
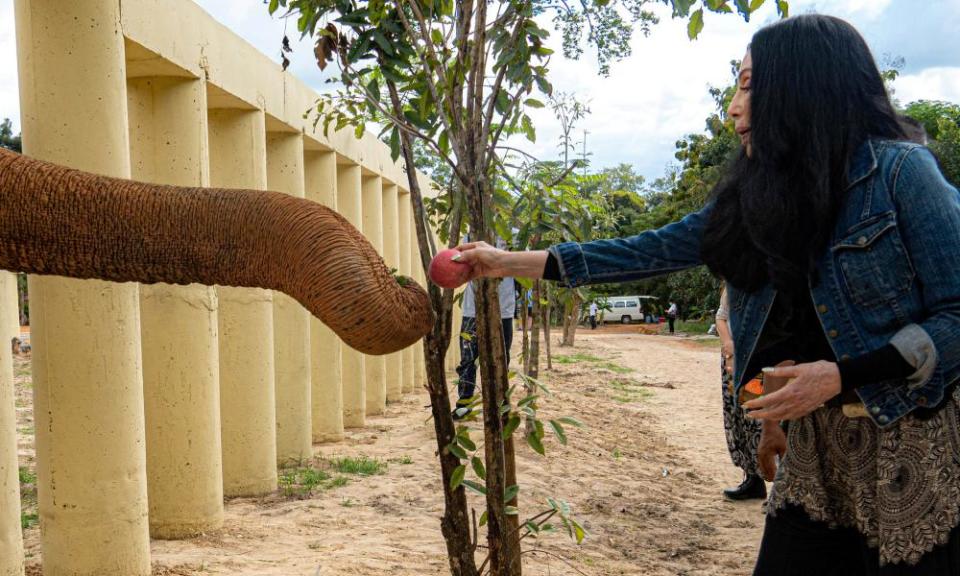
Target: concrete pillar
{"x": 168, "y": 145}
{"x": 291, "y": 321}
{"x": 247, "y": 396}
{"x": 11, "y": 539}
{"x": 353, "y": 377}
{"x": 88, "y": 390}
{"x": 375, "y": 366}
{"x": 404, "y": 211}
{"x": 419, "y": 366}
{"x": 10, "y": 297}
{"x": 391, "y": 256}
{"x": 320, "y": 171}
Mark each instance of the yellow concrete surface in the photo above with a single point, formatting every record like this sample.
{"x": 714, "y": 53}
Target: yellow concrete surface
{"x": 10, "y": 297}
{"x": 291, "y": 321}
{"x": 353, "y": 373}
{"x": 320, "y": 170}
{"x": 88, "y": 391}
{"x": 404, "y": 211}
{"x": 11, "y": 540}
{"x": 419, "y": 366}
{"x": 375, "y": 366}
{"x": 391, "y": 256}
{"x": 168, "y": 145}
{"x": 247, "y": 395}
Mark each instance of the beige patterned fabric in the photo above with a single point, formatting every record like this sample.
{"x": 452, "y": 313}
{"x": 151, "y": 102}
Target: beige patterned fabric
{"x": 900, "y": 486}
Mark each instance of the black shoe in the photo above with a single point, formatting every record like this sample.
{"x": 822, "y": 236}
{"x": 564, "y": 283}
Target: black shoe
{"x": 751, "y": 487}
{"x": 463, "y": 409}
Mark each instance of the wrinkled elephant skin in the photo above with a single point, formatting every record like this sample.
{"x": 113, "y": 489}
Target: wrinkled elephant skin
{"x": 55, "y": 220}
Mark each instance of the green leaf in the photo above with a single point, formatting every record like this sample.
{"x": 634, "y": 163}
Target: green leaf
{"x": 571, "y": 421}
{"x": 511, "y": 511}
{"x": 755, "y": 4}
{"x": 478, "y": 488}
{"x": 536, "y": 444}
{"x": 510, "y": 492}
{"x": 437, "y": 37}
{"x": 358, "y": 131}
{"x": 696, "y": 24}
{"x": 274, "y": 4}
{"x": 467, "y": 443}
{"x": 394, "y": 144}
{"x": 382, "y": 42}
{"x": 533, "y": 103}
{"x": 527, "y": 127}
{"x": 478, "y": 468}
{"x": 558, "y": 430}
{"x": 457, "y": 477}
{"x": 681, "y": 7}
{"x": 783, "y": 7}
{"x": 511, "y": 426}
{"x": 444, "y": 142}
{"x": 483, "y": 519}
{"x": 457, "y": 451}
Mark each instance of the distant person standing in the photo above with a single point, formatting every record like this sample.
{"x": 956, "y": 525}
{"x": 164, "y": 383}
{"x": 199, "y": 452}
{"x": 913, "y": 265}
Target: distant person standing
{"x": 469, "y": 349}
{"x": 672, "y": 315}
{"x": 593, "y": 315}
{"x": 743, "y": 434}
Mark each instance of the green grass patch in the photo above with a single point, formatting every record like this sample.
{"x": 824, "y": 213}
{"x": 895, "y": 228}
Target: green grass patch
{"x": 692, "y": 327}
{"x": 304, "y": 481}
{"x": 404, "y": 460}
{"x": 598, "y": 362}
{"x": 626, "y": 391}
{"x": 575, "y": 357}
{"x": 360, "y": 465}
{"x": 28, "y": 520}
{"x": 28, "y": 498}
{"x": 27, "y": 477}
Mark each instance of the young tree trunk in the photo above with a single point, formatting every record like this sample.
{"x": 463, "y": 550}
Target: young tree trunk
{"x": 546, "y": 327}
{"x": 502, "y": 536}
{"x": 533, "y": 368}
{"x": 571, "y": 319}
{"x": 455, "y": 523}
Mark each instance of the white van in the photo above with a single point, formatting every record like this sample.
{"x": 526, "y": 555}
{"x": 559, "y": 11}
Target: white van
{"x": 627, "y": 309}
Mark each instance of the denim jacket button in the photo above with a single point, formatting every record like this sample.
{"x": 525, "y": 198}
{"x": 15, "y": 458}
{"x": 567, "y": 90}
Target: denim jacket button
{"x": 875, "y": 410}
{"x": 845, "y": 357}
{"x": 822, "y": 308}
{"x": 833, "y": 333}
{"x": 922, "y": 401}
{"x": 883, "y": 419}
{"x": 862, "y": 240}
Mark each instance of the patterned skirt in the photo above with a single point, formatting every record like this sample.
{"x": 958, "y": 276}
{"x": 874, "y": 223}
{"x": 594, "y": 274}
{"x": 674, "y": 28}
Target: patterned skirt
{"x": 899, "y": 487}
{"x": 743, "y": 434}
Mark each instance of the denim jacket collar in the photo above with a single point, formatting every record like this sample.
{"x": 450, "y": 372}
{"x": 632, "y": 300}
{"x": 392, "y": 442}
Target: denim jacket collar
{"x": 862, "y": 164}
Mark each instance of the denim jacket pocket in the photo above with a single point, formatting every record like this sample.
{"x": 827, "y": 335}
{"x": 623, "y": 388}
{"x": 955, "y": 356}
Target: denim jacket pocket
{"x": 874, "y": 262}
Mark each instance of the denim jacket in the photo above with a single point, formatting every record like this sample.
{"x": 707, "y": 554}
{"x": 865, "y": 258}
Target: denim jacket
{"x": 891, "y": 274}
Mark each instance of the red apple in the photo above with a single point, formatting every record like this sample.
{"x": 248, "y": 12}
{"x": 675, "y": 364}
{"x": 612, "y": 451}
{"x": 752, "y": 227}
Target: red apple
{"x": 448, "y": 273}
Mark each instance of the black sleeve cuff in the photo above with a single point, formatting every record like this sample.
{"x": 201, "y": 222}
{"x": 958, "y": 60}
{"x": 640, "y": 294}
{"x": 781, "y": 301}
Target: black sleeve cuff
{"x": 551, "y": 270}
{"x": 882, "y": 364}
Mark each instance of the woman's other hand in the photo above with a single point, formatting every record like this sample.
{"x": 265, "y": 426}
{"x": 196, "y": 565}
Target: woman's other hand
{"x": 773, "y": 444}
{"x": 726, "y": 349}
{"x": 810, "y": 385}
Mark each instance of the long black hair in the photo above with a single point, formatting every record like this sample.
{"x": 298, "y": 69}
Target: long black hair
{"x": 816, "y": 95}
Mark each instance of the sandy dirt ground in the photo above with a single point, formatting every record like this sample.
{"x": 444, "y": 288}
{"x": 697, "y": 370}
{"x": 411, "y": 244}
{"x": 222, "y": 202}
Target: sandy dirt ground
{"x": 644, "y": 477}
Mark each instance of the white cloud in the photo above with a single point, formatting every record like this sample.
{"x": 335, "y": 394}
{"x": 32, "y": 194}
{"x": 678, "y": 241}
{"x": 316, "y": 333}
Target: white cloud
{"x": 868, "y": 9}
{"x": 929, "y": 84}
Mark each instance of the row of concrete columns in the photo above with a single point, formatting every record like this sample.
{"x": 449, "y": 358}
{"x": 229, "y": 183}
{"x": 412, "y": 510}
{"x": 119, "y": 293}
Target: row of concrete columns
{"x": 152, "y": 403}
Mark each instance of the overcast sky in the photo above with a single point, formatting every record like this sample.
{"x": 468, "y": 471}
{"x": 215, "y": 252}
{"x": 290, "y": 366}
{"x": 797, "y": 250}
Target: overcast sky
{"x": 657, "y": 95}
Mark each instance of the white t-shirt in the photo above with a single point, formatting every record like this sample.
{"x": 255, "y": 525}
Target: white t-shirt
{"x": 593, "y": 308}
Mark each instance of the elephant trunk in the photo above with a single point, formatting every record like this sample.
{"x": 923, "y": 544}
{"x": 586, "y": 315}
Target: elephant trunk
{"x": 55, "y": 220}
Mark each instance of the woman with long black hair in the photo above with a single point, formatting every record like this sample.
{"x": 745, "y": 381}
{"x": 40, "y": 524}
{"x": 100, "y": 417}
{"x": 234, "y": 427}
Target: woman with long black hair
{"x": 839, "y": 242}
